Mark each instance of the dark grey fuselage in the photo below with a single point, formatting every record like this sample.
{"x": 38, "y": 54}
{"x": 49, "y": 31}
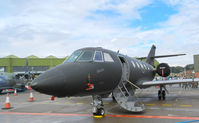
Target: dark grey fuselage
{"x": 72, "y": 78}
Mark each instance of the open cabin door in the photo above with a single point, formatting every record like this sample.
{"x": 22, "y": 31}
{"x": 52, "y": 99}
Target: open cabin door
{"x": 124, "y": 92}
{"x": 125, "y": 69}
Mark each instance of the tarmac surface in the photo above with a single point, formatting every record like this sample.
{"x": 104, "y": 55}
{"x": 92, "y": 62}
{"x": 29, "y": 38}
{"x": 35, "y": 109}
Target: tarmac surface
{"x": 180, "y": 106}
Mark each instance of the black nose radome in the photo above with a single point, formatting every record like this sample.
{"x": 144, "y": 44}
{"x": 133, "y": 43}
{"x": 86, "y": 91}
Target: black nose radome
{"x": 34, "y": 85}
{"x": 63, "y": 80}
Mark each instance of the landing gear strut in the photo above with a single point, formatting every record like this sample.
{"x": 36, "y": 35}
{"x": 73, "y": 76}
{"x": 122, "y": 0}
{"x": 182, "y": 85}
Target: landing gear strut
{"x": 161, "y": 94}
{"x": 98, "y": 110}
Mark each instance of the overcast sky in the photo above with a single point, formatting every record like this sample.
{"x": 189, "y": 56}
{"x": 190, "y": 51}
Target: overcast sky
{"x": 58, "y": 27}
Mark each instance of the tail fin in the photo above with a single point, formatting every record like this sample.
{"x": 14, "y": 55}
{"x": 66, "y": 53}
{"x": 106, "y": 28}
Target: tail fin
{"x": 151, "y": 55}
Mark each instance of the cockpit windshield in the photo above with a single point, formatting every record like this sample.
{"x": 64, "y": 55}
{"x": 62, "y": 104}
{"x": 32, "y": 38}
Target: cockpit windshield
{"x": 81, "y": 56}
{"x": 89, "y": 56}
{"x": 86, "y": 56}
{"x": 74, "y": 56}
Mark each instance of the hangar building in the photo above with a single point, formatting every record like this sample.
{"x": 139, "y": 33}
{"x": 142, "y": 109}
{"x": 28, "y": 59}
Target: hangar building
{"x": 14, "y": 64}
{"x": 196, "y": 65}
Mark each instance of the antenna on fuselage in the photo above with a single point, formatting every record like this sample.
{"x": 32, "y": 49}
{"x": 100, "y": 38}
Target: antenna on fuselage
{"x": 118, "y": 51}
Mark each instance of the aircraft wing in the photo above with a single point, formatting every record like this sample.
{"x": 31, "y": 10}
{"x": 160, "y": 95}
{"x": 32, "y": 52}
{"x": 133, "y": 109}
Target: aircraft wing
{"x": 167, "y": 82}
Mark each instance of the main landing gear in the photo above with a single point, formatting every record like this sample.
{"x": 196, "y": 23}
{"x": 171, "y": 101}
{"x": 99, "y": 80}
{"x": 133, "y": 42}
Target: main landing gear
{"x": 161, "y": 94}
{"x": 98, "y": 110}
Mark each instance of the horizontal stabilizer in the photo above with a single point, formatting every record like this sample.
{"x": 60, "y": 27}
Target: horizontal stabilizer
{"x": 162, "y": 56}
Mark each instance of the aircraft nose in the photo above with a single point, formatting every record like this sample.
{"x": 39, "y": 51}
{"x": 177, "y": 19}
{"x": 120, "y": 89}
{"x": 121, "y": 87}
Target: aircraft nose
{"x": 49, "y": 82}
{"x": 34, "y": 85}
{"x": 60, "y": 81}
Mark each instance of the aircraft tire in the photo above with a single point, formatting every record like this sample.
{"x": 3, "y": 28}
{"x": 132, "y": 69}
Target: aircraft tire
{"x": 163, "y": 95}
{"x": 100, "y": 112}
{"x": 159, "y": 95}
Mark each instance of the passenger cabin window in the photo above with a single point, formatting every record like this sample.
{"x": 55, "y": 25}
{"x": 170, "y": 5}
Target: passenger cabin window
{"x": 86, "y": 56}
{"x": 133, "y": 63}
{"x": 151, "y": 68}
{"x": 148, "y": 67}
{"x": 108, "y": 58}
{"x": 73, "y": 57}
{"x": 98, "y": 56}
{"x": 137, "y": 64}
{"x": 142, "y": 66}
{"x": 145, "y": 67}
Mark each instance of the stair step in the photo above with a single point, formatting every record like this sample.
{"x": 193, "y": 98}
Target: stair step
{"x": 129, "y": 101}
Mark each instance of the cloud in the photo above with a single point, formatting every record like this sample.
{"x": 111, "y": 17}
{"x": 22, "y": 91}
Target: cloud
{"x": 62, "y": 26}
{"x": 65, "y": 21}
{"x": 179, "y": 34}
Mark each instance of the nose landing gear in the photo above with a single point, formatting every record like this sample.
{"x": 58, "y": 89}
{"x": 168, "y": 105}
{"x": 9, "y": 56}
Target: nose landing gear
{"x": 98, "y": 110}
{"x": 161, "y": 94}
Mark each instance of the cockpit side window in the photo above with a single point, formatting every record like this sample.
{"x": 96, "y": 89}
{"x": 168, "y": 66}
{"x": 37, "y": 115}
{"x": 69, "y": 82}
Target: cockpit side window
{"x": 98, "y": 56}
{"x": 85, "y": 56}
{"x": 74, "y": 56}
{"x": 108, "y": 58}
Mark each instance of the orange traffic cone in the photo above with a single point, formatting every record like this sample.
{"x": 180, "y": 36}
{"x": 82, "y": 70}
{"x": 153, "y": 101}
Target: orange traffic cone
{"x": 15, "y": 93}
{"x": 7, "y": 104}
{"x": 31, "y": 99}
{"x": 52, "y": 98}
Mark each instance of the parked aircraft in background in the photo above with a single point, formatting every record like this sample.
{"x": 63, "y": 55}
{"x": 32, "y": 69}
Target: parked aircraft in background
{"x": 27, "y": 75}
{"x": 15, "y": 81}
{"x": 98, "y": 72}
{"x": 10, "y": 81}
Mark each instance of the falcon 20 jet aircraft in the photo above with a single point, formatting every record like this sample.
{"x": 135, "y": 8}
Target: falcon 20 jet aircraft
{"x": 99, "y": 72}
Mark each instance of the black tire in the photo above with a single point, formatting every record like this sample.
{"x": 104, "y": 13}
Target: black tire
{"x": 101, "y": 112}
{"x": 163, "y": 95}
{"x": 159, "y": 95}
{"x": 94, "y": 114}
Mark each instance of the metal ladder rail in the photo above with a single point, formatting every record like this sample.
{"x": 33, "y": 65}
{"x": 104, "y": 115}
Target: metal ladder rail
{"x": 121, "y": 91}
{"x": 126, "y": 89}
{"x": 125, "y": 103}
{"x": 136, "y": 95}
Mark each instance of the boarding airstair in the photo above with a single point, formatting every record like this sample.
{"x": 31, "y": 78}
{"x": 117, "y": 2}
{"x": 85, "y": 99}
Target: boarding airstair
{"x": 125, "y": 96}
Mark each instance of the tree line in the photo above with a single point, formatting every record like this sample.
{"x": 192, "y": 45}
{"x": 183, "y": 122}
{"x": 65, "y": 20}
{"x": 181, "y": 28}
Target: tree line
{"x": 179, "y": 69}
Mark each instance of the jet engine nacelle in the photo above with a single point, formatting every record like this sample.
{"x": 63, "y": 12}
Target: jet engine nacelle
{"x": 17, "y": 76}
{"x": 27, "y": 76}
{"x": 163, "y": 70}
